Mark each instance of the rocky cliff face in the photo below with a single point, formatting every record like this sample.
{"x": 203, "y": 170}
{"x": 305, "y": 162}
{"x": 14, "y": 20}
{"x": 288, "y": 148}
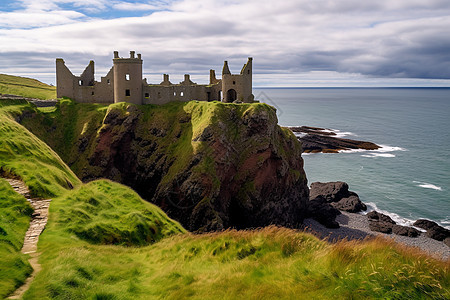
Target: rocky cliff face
{"x": 208, "y": 165}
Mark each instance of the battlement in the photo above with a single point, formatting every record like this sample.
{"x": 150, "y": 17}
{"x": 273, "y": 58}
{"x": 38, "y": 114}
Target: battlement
{"x": 131, "y": 59}
{"x": 124, "y": 83}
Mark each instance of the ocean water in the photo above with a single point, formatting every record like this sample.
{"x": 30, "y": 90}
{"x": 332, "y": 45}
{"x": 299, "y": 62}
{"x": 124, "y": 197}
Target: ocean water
{"x": 409, "y": 178}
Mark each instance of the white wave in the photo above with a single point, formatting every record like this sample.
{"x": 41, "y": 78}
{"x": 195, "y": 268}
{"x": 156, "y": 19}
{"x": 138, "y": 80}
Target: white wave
{"x": 428, "y": 185}
{"x": 383, "y": 151}
{"x": 353, "y": 151}
{"x": 398, "y": 219}
{"x": 385, "y": 148}
{"x": 401, "y": 220}
{"x": 341, "y": 134}
{"x": 378, "y": 155}
{"x": 337, "y": 132}
{"x": 299, "y": 134}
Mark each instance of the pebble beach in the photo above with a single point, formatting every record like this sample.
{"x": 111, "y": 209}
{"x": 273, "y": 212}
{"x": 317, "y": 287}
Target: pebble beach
{"x": 355, "y": 226}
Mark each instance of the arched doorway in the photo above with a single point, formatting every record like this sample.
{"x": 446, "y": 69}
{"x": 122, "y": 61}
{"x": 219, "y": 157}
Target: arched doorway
{"x": 231, "y": 95}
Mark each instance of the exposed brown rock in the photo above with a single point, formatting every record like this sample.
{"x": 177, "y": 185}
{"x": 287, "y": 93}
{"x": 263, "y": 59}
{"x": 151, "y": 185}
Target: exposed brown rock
{"x": 331, "y": 191}
{"x": 434, "y": 231}
{"x": 405, "y": 231}
{"x": 380, "y": 226}
{"x": 245, "y": 171}
{"x": 350, "y": 204}
{"x": 376, "y": 216}
{"x": 338, "y": 195}
{"x": 323, "y": 212}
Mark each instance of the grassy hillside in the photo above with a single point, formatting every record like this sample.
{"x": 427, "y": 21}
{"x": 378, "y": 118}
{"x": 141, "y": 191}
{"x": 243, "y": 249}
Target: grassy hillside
{"x": 26, "y": 87}
{"x": 15, "y": 214}
{"x": 23, "y": 154}
{"x": 99, "y": 212}
{"x": 104, "y": 242}
{"x": 270, "y": 263}
{"x": 104, "y": 212}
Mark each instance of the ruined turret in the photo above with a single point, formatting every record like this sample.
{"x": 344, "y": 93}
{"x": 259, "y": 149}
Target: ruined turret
{"x": 127, "y": 78}
{"x": 237, "y": 87}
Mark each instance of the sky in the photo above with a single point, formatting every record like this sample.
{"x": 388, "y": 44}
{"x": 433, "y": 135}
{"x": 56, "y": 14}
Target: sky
{"x": 297, "y": 43}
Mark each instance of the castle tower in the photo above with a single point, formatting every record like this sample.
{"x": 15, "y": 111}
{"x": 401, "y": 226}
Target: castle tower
{"x": 237, "y": 87}
{"x": 127, "y": 78}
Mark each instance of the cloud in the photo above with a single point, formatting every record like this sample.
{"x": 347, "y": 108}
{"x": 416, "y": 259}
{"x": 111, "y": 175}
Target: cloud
{"x": 133, "y": 6}
{"x": 386, "y": 38}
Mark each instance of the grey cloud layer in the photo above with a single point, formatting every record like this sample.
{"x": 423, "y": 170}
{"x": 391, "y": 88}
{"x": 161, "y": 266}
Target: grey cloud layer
{"x": 407, "y": 39}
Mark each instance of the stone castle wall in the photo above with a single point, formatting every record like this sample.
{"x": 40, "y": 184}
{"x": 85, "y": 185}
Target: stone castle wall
{"x": 124, "y": 83}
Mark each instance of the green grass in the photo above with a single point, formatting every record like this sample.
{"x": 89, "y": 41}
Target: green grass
{"x": 24, "y": 155}
{"x": 270, "y": 263}
{"x": 104, "y": 242}
{"x": 26, "y": 87}
{"x": 100, "y": 212}
{"x": 104, "y": 212}
{"x": 15, "y": 214}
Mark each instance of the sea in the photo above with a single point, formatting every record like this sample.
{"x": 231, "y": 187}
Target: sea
{"x": 409, "y": 177}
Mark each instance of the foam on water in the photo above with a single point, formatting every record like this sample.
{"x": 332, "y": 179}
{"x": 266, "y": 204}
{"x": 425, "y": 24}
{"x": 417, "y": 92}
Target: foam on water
{"x": 383, "y": 151}
{"x": 378, "y": 155}
{"x": 338, "y": 133}
{"x": 398, "y": 219}
{"x": 428, "y": 185}
{"x": 401, "y": 220}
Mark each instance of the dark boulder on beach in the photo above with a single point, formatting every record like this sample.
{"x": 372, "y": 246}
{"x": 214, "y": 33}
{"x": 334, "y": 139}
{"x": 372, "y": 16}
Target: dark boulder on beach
{"x": 447, "y": 241}
{"x": 380, "y": 226}
{"x": 338, "y": 195}
{"x": 434, "y": 231}
{"x": 438, "y": 233}
{"x": 350, "y": 204}
{"x": 405, "y": 231}
{"x": 331, "y": 191}
{"x": 376, "y": 216}
{"x": 380, "y": 222}
{"x": 323, "y": 212}
{"x": 425, "y": 224}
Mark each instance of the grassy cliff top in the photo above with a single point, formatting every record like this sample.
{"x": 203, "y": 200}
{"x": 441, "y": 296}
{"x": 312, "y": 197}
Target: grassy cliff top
{"x": 26, "y": 87}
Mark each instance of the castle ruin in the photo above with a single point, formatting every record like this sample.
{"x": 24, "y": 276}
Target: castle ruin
{"x": 124, "y": 83}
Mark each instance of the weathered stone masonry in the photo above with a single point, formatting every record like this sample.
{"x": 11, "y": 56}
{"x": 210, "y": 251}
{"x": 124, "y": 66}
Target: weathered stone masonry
{"x": 124, "y": 83}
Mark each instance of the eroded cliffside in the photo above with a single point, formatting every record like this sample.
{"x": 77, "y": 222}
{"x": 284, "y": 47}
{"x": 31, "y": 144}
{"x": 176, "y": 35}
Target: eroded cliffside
{"x": 208, "y": 165}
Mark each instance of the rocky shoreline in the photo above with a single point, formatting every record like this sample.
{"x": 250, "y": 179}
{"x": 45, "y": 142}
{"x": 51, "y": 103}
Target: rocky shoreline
{"x": 316, "y": 140}
{"x": 335, "y": 213}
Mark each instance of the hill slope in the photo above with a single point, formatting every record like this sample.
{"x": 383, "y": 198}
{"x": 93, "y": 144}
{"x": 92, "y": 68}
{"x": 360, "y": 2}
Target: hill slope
{"x": 26, "y": 87}
{"x": 100, "y": 212}
{"x": 270, "y": 263}
{"x": 90, "y": 246}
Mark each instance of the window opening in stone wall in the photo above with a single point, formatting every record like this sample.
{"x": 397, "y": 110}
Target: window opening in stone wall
{"x": 174, "y": 93}
{"x": 127, "y": 76}
{"x": 127, "y": 93}
{"x": 234, "y": 82}
{"x": 92, "y": 93}
{"x": 108, "y": 81}
{"x": 147, "y": 95}
{"x": 80, "y": 82}
{"x": 248, "y": 72}
{"x": 181, "y": 94}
